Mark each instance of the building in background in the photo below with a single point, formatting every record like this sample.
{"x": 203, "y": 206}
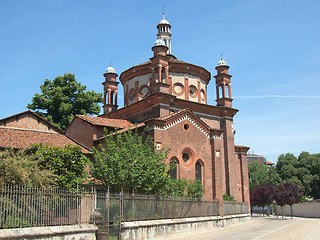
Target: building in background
{"x": 262, "y": 159}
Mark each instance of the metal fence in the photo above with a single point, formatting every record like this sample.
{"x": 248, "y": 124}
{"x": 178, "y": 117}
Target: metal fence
{"x": 230, "y": 208}
{"x": 112, "y": 209}
{"x": 24, "y": 206}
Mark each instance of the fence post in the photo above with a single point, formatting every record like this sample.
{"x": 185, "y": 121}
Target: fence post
{"x": 108, "y": 212}
{"x": 132, "y": 218}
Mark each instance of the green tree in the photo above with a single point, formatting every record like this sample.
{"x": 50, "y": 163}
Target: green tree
{"x": 181, "y": 187}
{"x": 19, "y": 168}
{"x": 301, "y": 171}
{"x": 311, "y": 180}
{"x": 67, "y": 163}
{"x": 128, "y": 160}
{"x": 261, "y": 174}
{"x": 61, "y": 99}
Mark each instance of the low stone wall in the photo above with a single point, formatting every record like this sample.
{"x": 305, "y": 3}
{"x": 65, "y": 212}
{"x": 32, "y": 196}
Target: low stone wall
{"x": 162, "y": 229}
{"x": 307, "y": 209}
{"x": 74, "y": 232}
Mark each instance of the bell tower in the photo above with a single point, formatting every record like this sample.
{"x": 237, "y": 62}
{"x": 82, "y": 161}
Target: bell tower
{"x": 164, "y": 33}
{"x": 110, "y": 96}
{"x": 223, "y": 84}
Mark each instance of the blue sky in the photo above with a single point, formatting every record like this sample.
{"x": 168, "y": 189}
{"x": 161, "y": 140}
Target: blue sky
{"x": 272, "y": 48}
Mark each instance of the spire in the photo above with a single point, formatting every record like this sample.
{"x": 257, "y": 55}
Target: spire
{"x": 164, "y": 32}
{"x": 163, "y": 12}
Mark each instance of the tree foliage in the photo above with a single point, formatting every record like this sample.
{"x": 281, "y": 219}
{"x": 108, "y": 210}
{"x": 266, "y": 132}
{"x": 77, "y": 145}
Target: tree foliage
{"x": 261, "y": 174}
{"x": 19, "y": 168}
{"x": 303, "y": 170}
{"x": 67, "y": 163}
{"x": 61, "y": 99}
{"x": 183, "y": 188}
{"x": 129, "y": 160}
{"x": 262, "y": 195}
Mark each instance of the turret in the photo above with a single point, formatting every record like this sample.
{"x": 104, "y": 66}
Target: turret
{"x": 110, "y": 90}
{"x": 223, "y": 84}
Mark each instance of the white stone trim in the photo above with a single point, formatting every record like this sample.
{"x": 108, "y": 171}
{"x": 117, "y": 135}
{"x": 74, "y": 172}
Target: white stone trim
{"x": 186, "y": 117}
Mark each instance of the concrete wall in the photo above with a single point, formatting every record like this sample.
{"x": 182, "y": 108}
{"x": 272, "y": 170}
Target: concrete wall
{"x": 308, "y": 209}
{"x": 162, "y": 229}
{"x": 74, "y": 232}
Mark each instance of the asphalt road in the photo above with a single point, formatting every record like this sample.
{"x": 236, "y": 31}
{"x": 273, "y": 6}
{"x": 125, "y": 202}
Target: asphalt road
{"x": 262, "y": 228}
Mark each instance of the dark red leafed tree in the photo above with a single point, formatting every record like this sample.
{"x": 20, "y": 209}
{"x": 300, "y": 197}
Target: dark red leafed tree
{"x": 287, "y": 193}
{"x": 261, "y": 195}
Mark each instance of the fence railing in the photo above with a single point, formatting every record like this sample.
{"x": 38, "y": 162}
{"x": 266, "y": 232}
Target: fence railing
{"x": 230, "y": 208}
{"x": 124, "y": 207}
{"x": 24, "y": 206}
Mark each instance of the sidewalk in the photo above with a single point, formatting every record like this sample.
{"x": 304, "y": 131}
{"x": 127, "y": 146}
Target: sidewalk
{"x": 261, "y": 228}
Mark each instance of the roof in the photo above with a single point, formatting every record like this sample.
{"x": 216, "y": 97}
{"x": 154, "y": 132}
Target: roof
{"x": 122, "y": 130}
{"x": 36, "y": 116}
{"x": 270, "y": 163}
{"x": 105, "y": 122}
{"x": 22, "y": 138}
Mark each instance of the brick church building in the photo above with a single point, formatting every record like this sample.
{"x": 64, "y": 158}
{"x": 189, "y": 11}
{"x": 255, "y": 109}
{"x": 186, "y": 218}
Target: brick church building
{"x": 170, "y": 97}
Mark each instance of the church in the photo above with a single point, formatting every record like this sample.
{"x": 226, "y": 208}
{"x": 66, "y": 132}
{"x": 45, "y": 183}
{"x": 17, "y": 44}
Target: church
{"x": 169, "y": 96}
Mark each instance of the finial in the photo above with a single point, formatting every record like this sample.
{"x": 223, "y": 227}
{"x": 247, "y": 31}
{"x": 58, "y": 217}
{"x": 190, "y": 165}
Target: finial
{"x": 221, "y": 57}
{"x": 163, "y": 11}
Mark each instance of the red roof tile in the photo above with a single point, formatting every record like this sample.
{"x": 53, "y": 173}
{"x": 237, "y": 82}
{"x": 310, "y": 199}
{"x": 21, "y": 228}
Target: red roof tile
{"x": 22, "y": 138}
{"x": 105, "y": 122}
{"x": 270, "y": 163}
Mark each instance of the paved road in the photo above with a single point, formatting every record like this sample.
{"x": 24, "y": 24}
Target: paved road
{"x": 262, "y": 228}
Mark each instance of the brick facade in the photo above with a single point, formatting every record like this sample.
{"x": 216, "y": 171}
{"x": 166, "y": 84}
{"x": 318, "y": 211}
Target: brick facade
{"x": 170, "y": 97}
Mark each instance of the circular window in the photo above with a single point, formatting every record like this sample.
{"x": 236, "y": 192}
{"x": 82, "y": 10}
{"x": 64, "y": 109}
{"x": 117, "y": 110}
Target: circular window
{"x": 178, "y": 89}
{"x": 186, "y": 127}
{"x": 185, "y": 157}
{"x": 192, "y": 90}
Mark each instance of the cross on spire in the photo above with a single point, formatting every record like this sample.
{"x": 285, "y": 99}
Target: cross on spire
{"x": 163, "y": 11}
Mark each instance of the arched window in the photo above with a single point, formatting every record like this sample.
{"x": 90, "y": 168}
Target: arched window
{"x": 227, "y": 91}
{"x": 174, "y": 171}
{"x": 111, "y": 97}
{"x": 199, "y": 171}
{"x": 220, "y": 92}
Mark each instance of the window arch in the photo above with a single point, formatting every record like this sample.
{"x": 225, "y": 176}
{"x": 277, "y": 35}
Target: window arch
{"x": 227, "y": 91}
{"x": 220, "y": 92}
{"x": 198, "y": 171}
{"x": 174, "y": 171}
{"x": 112, "y": 97}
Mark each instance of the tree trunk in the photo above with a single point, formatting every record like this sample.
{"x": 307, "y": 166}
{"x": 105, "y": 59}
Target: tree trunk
{"x": 291, "y": 210}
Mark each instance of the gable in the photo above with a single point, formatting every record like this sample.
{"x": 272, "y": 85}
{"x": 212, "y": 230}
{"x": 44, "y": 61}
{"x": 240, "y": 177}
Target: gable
{"x": 29, "y": 120}
{"x": 179, "y": 120}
